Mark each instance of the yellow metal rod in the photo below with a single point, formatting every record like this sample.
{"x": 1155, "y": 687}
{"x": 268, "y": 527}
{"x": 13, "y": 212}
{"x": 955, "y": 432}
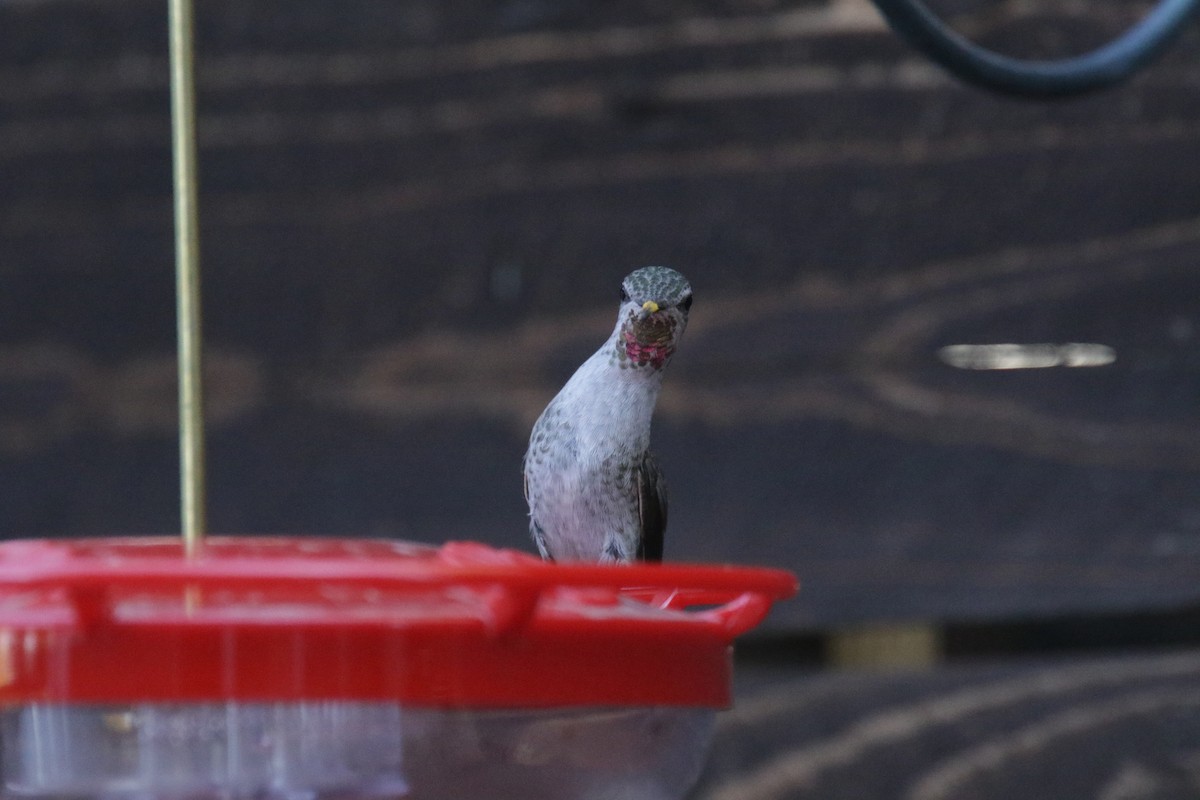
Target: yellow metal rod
{"x": 187, "y": 276}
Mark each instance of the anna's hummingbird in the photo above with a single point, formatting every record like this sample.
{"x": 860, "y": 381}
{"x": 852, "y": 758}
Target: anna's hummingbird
{"x": 594, "y": 491}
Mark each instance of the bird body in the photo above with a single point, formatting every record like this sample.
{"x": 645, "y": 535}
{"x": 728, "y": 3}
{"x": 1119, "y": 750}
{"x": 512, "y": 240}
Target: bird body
{"x": 594, "y": 491}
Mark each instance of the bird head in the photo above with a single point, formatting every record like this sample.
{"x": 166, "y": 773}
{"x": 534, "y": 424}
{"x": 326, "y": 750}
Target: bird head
{"x": 655, "y": 302}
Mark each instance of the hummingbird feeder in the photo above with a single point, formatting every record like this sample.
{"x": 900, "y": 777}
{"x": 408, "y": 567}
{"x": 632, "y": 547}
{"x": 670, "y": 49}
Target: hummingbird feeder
{"x": 321, "y": 668}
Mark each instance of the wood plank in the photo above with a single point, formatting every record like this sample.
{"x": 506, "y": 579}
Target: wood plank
{"x": 415, "y": 218}
{"x": 1098, "y": 728}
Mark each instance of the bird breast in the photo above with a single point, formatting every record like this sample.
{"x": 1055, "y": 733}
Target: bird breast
{"x": 610, "y": 407}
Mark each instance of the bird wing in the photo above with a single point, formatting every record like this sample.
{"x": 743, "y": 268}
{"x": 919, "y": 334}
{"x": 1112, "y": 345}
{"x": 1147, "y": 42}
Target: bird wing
{"x": 652, "y": 509}
{"x": 539, "y": 536}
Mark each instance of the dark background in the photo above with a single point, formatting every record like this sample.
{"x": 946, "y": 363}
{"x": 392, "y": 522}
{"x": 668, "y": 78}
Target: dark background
{"x": 415, "y": 217}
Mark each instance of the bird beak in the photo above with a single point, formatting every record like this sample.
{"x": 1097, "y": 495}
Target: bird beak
{"x": 649, "y": 307}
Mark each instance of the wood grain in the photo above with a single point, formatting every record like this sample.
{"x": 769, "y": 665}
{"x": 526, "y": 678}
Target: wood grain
{"x": 1083, "y": 728}
{"x": 415, "y": 217}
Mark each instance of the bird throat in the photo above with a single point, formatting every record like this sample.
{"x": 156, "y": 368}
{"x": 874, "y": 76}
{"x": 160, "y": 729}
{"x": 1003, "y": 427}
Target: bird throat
{"x": 650, "y": 341}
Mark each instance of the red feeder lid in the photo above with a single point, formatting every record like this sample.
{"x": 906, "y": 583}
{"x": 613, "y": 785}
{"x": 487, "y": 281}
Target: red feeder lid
{"x": 279, "y": 619}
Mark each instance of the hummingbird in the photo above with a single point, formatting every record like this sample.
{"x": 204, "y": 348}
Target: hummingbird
{"x": 594, "y": 490}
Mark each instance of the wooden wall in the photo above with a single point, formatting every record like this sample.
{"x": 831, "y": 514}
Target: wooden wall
{"x": 415, "y": 218}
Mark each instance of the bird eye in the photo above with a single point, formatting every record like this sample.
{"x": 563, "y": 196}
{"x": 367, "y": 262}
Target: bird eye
{"x": 686, "y": 303}
{"x": 624, "y": 294}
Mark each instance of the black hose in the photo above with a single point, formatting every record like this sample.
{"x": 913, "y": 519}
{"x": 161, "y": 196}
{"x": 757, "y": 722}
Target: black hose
{"x": 1105, "y": 66}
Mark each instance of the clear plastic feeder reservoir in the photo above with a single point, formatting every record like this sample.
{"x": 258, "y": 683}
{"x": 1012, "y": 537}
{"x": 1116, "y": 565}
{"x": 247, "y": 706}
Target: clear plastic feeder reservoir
{"x": 321, "y": 668}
